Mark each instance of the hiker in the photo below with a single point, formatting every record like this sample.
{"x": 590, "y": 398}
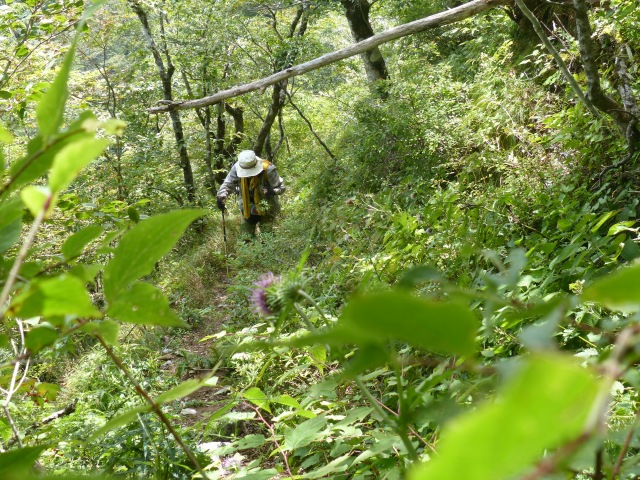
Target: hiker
{"x": 259, "y": 185}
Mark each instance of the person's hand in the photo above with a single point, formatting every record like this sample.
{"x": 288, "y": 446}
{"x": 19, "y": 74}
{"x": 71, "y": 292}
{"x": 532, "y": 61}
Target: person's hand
{"x": 221, "y": 201}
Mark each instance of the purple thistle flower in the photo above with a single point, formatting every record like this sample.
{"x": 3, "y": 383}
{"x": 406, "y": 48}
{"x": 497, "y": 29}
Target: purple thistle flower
{"x": 259, "y": 294}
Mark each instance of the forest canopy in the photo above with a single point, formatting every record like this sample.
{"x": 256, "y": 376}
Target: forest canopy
{"x": 450, "y": 289}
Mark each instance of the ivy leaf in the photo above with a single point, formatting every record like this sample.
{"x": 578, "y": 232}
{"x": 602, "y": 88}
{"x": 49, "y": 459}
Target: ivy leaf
{"x": 618, "y": 290}
{"x": 544, "y": 406}
{"x": 144, "y": 304}
{"x": 73, "y": 246}
{"x": 142, "y": 246}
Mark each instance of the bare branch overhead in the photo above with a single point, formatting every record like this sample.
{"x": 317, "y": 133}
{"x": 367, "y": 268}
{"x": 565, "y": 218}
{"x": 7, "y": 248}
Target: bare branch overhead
{"x": 443, "y": 18}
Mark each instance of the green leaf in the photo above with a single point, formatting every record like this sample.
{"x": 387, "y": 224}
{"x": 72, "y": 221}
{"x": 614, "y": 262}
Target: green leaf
{"x": 69, "y": 161}
{"x": 544, "y": 406}
{"x": 36, "y": 198}
{"x": 107, "y": 329}
{"x": 258, "y": 398}
{"x": 418, "y": 275}
{"x": 250, "y": 441}
{"x": 10, "y": 223}
{"x": 142, "y": 246}
{"x": 40, "y": 337}
{"x": 119, "y": 421}
{"x": 287, "y": 400}
{"x": 18, "y": 463}
{"x": 73, "y": 246}
{"x": 182, "y": 390}
{"x": 446, "y": 328}
{"x": 86, "y": 273}
{"x": 50, "y": 110}
{"x": 307, "y": 432}
{"x": 259, "y": 474}
{"x": 61, "y": 295}
{"x": 618, "y": 290}
{"x": 144, "y": 304}
{"x": 5, "y": 135}
{"x": 620, "y": 227}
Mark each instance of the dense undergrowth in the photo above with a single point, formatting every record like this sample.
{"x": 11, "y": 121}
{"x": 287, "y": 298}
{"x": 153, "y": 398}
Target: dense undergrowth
{"x": 473, "y": 192}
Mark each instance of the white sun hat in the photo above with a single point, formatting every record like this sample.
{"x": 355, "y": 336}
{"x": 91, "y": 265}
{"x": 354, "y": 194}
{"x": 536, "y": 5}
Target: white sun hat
{"x": 249, "y": 164}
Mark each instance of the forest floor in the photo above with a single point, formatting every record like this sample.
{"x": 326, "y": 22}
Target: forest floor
{"x": 191, "y": 355}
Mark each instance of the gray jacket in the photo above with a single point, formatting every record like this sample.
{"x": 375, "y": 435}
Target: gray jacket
{"x": 274, "y": 184}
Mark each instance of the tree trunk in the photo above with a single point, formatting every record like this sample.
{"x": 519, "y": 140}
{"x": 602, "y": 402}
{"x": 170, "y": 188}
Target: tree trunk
{"x": 166, "y": 75}
{"x": 357, "y": 13}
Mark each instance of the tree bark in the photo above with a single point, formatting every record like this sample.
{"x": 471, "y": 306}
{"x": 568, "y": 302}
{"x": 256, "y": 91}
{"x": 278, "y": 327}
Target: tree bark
{"x": 166, "y": 75}
{"x": 443, "y": 18}
{"x": 357, "y": 13}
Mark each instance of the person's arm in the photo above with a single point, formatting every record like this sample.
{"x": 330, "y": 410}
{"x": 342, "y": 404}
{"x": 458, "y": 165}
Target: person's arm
{"x": 275, "y": 181}
{"x": 229, "y": 183}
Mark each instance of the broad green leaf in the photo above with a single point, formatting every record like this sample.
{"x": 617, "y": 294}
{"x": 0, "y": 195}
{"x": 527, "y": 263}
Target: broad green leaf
{"x": 69, "y": 161}
{"x": 545, "y": 405}
{"x": 182, "y": 390}
{"x": 618, "y": 290}
{"x": 258, "y": 398}
{"x": 40, "y": 337}
{"x": 620, "y": 227}
{"x": 446, "y": 328}
{"x": 40, "y": 156}
{"x": 145, "y": 304}
{"x": 307, "y": 432}
{"x": 605, "y": 216}
{"x": 107, "y": 329}
{"x": 10, "y": 223}
{"x": 61, "y": 295}
{"x": 86, "y": 273}
{"x": 5, "y": 135}
{"x": 218, "y": 414}
{"x": 258, "y": 474}
{"x": 250, "y": 441}
{"x": 337, "y": 465}
{"x": 418, "y": 275}
{"x": 119, "y": 421}
{"x": 18, "y": 463}
{"x": 50, "y": 110}
{"x": 142, "y": 246}
{"x": 36, "y": 198}
{"x": 287, "y": 400}
{"x": 73, "y": 246}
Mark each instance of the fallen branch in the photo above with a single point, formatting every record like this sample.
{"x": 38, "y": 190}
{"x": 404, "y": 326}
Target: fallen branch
{"x": 68, "y": 410}
{"x": 443, "y": 18}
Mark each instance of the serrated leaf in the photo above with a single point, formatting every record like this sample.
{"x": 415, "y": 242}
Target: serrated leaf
{"x": 144, "y": 304}
{"x": 61, "y": 295}
{"x": 119, "y": 421}
{"x": 618, "y": 290}
{"x": 107, "y": 329}
{"x": 446, "y": 328}
{"x": 258, "y": 398}
{"x": 142, "y": 246}
{"x": 73, "y": 246}
{"x": 40, "y": 337}
{"x": 69, "y": 161}
{"x": 307, "y": 432}
{"x": 545, "y": 405}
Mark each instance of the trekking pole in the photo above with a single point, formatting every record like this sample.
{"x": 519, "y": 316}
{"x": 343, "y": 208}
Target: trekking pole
{"x": 224, "y": 235}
